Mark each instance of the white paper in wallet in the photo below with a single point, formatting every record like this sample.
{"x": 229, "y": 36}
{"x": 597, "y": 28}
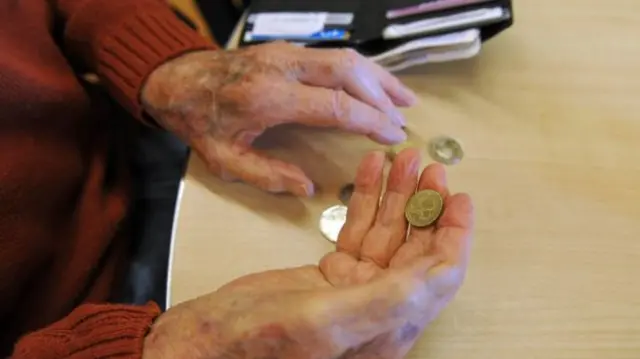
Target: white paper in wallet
{"x": 442, "y": 48}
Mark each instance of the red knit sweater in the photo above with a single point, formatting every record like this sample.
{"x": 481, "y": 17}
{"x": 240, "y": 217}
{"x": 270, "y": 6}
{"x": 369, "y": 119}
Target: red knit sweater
{"x": 63, "y": 190}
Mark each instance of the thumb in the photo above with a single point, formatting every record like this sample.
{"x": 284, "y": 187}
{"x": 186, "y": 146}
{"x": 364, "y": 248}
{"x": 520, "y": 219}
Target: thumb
{"x": 267, "y": 173}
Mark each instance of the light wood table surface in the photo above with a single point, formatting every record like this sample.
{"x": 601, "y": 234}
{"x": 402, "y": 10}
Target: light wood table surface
{"x": 549, "y": 115}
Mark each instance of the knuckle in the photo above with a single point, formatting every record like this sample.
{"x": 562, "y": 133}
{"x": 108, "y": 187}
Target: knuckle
{"x": 337, "y": 108}
{"x": 349, "y": 59}
{"x": 341, "y": 107}
{"x": 337, "y": 64}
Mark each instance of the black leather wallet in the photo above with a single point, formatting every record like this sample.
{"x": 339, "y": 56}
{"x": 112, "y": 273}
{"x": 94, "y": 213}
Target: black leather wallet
{"x": 365, "y": 24}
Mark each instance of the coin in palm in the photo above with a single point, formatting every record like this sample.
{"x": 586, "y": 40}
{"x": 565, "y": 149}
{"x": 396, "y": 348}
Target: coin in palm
{"x": 423, "y": 208}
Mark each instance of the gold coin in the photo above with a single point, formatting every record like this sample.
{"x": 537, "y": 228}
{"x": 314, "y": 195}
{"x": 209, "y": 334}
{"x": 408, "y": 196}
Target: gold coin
{"x": 423, "y": 208}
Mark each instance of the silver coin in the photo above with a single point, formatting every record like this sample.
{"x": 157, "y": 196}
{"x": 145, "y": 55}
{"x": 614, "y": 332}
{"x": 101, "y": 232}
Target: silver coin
{"x": 331, "y": 222}
{"x": 446, "y": 150}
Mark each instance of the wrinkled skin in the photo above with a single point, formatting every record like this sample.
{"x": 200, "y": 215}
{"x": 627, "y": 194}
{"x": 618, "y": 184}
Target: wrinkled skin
{"x": 371, "y": 298}
{"x": 220, "y": 101}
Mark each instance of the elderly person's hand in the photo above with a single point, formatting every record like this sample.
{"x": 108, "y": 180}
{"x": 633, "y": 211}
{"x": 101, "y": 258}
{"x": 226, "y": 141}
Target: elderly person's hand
{"x": 371, "y": 298}
{"x": 220, "y": 101}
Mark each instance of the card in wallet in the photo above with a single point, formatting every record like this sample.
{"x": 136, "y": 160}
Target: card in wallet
{"x": 310, "y": 22}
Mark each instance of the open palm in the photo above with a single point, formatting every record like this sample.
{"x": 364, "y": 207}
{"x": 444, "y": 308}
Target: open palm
{"x": 371, "y": 298}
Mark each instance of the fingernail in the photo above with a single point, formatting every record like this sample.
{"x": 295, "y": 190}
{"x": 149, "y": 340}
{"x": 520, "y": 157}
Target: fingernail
{"x": 302, "y": 190}
{"x": 396, "y": 135}
{"x": 397, "y": 117}
{"x": 315, "y": 188}
{"x": 308, "y": 190}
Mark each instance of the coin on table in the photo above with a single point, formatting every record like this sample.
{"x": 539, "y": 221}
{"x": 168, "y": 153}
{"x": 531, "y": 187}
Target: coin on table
{"x": 446, "y": 150}
{"x": 345, "y": 193}
{"x": 423, "y": 208}
{"x": 331, "y": 222}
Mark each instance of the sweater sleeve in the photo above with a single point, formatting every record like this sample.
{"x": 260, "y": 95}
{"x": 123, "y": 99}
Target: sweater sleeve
{"x": 123, "y": 41}
{"x": 91, "y": 331}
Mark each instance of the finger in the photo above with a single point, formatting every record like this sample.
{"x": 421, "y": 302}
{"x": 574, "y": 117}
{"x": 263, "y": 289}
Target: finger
{"x": 451, "y": 243}
{"x": 419, "y": 240}
{"x": 434, "y": 177}
{"x": 346, "y": 69}
{"x": 452, "y": 239}
{"x": 363, "y": 204}
{"x": 320, "y": 107}
{"x": 390, "y": 227}
{"x": 400, "y": 94}
{"x": 259, "y": 170}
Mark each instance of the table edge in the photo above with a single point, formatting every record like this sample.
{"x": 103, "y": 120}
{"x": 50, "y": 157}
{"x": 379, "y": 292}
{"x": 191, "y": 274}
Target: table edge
{"x": 231, "y": 44}
{"x": 172, "y": 242}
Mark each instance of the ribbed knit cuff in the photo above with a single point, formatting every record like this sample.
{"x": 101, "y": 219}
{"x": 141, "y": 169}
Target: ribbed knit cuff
{"x": 92, "y": 331}
{"x": 129, "y": 52}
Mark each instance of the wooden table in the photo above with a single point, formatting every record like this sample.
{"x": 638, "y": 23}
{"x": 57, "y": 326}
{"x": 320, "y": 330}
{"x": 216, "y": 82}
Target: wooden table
{"x": 549, "y": 114}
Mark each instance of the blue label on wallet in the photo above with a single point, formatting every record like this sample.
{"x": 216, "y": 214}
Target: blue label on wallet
{"x": 324, "y": 35}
